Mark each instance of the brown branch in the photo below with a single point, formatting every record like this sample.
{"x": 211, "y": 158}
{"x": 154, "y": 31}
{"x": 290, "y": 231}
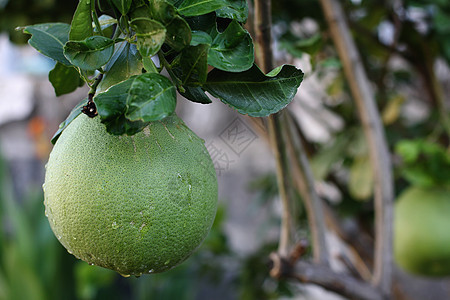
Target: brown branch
{"x": 323, "y": 276}
{"x": 263, "y": 23}
{"x": 263, "y": 36}
{"x": 373, "y": 130}
{"x": 304, "y": 180}
{"x": 354, "y": 241}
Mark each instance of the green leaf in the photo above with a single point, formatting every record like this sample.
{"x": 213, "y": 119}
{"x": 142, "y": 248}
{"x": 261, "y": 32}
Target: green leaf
{"x": 200, "y": 7}
{"x": 107, "y": 25}
{"x": 162, "y": 11}
{"x": 64, "y": 79}
{"x": 254, "y": 93}
{"x": 194, "y": 64}
{"x": 124, "y": 63}
{"x": 200, "y": 37}
{"x": 151, "y": 97}
{"x": 122, "y": 5}
{"x": 111, "y": 107}
{"x": 81, "y": 27}
{"x": 73, "y": 114}
{"x": 49, "y": 39}
{"x": 236, "y": 10}
{"x": 178, "y": 33}
{"x": 195, "y": 94}
{"x": 91, "y": 53}
{"x": 140, "y": 11}
{"x": 128, "y": 106}
{"x": 175, "y": 3}
{"x": 232, "y": 50}
{"x": 150, "y": 35}
{"x": 205, "y": 23}
{"x": 425, "y": 163}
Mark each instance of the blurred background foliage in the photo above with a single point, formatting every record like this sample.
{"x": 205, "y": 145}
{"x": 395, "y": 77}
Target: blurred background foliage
{"x": 406, "y": 51}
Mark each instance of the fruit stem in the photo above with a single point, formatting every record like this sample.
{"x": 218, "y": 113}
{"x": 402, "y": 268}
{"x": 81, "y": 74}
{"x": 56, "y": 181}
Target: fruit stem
{"x": 90, "y": 109}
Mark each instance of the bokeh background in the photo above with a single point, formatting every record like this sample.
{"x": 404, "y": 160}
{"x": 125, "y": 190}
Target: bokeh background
{"x": 233, "y": 261}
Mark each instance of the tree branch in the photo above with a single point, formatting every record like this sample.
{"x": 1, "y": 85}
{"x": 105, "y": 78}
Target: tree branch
{"x": 323, "y": 276}
{"x": 373, "y": 130}
{"x": 304, "y": 181}
{"x": 277, "y": 122}
{"x": 263, "y": 22}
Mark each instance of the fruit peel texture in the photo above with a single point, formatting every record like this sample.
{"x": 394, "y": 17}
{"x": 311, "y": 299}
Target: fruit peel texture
{"x": 134, "y": 204}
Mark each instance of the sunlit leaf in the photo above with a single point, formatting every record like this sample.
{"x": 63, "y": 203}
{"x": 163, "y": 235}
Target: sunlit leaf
{"x": 81, "y": 27}
{"x": 150, "y": 35}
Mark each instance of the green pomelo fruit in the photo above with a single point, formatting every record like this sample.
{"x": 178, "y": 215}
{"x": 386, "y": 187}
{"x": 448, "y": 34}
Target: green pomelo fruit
{"x": 134, "y": 204}
{"x": 422, "y": 231}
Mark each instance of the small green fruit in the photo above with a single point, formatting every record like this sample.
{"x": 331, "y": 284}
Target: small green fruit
{"x": 422, "y": 231}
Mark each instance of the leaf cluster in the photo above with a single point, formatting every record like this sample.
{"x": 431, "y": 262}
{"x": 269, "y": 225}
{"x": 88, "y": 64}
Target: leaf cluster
{"x": 120, "y": 47}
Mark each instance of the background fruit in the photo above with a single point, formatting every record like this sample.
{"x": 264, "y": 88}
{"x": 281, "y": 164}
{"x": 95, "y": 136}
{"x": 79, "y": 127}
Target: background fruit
{"x": 422, "y": 231}
{"x": 134, "y": 204}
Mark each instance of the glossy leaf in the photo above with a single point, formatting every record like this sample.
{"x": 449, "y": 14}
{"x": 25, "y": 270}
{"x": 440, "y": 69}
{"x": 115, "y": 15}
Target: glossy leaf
{"x": 122, "y": 5}
{"x": 91, "y": 53}
{"x": 232, "y": 50}
{"x": 76, "y": 111}
{"x": 195, "y": 94}
{"x": 236, "y": 10}
{"x": 140, "y": 11}
{"x": 200, "y": 37}
{"x": 151, "y": 97}
{"x": 254, "y": 93}
{"x": 124, "y": 63}
{"x": 81, "y": 27}
{"x": 162, "y": 11}
{"x": 194, "y": 64}
{"x": 200, "y": 7}
{"x": 49, "y": 39}
{"x": 150, "y": 35}
{"x": 178, "y": 34}
{"x": 64, "y": 79}
{"x": 111, "y": 107}
{"x": 128, "y": 106}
